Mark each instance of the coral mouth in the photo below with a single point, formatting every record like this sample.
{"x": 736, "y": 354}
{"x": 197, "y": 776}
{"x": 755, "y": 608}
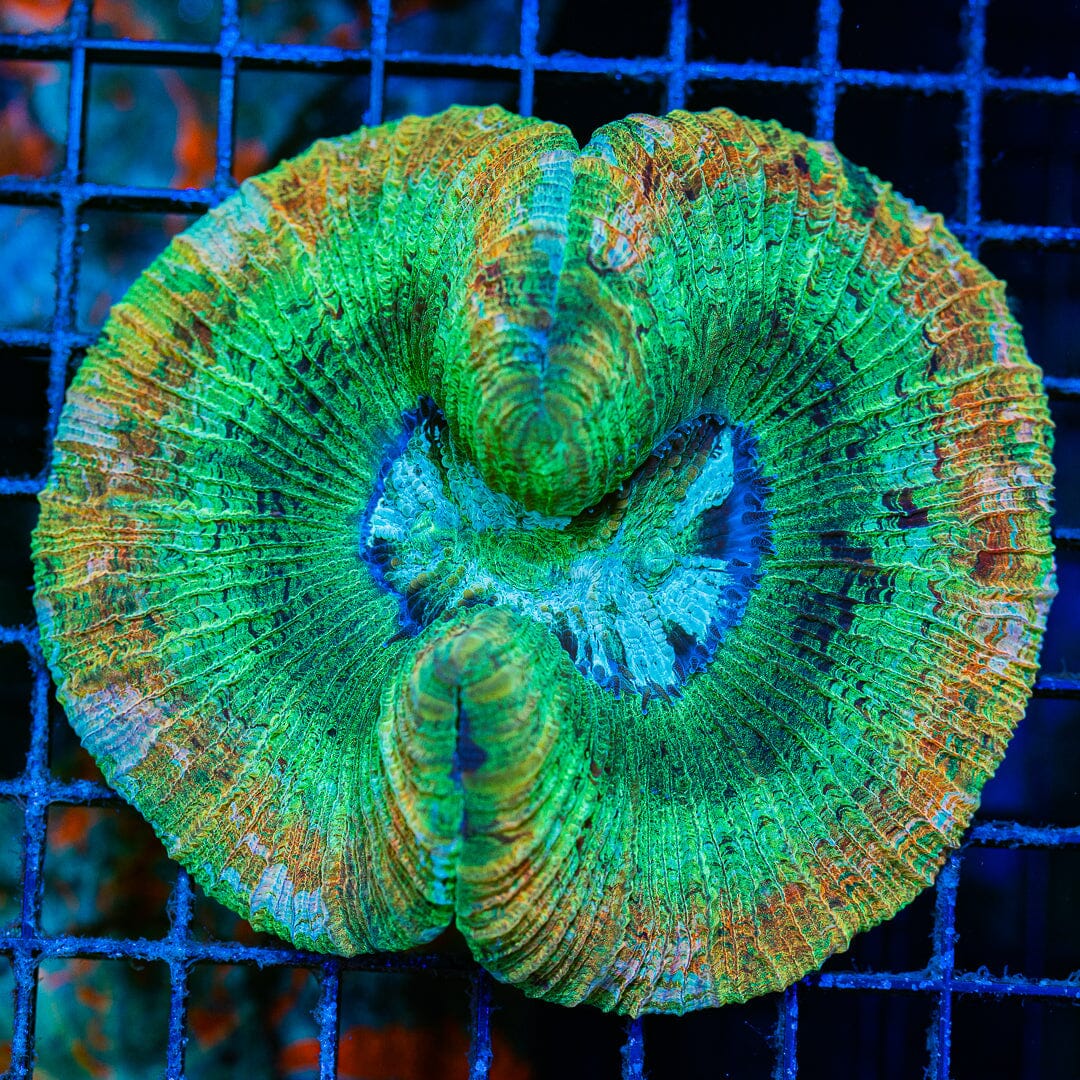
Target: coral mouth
{"x": 639, "y": 589}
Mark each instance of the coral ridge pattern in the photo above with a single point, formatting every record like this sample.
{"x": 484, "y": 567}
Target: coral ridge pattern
{"x": 635, "y": 554}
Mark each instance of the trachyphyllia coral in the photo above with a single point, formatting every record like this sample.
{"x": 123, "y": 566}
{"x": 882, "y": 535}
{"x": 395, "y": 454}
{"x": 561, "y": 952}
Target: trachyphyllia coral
{"x": 637, "y": 555}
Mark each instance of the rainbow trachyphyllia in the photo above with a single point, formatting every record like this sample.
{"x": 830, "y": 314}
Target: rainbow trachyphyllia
{"x": 636, "y": 555}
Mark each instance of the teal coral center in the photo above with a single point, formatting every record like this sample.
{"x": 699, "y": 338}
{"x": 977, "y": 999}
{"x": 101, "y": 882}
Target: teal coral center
{"x": 639, "y": 589}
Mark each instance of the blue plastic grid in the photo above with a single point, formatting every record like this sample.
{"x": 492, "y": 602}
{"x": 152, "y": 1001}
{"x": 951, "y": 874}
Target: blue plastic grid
{"x": 37, "y": 788}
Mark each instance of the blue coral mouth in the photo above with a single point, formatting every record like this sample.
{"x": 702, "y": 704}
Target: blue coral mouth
{"x": 640, "y": 589}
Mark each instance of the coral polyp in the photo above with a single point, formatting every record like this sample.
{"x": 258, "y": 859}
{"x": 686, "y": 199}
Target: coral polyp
{"x": 636, "y": 555}
{"x": 638, "y": 589}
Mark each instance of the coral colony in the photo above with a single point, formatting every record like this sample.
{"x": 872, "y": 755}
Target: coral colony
{"x": 635, "y": 555}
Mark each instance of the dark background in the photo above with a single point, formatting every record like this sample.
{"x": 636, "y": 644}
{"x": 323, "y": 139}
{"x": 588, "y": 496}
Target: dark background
{"x": 972, "y": 109}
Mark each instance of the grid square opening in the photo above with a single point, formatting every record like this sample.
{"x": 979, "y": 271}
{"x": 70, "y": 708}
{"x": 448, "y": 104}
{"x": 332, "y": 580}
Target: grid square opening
{"x": 539, "y": 1033}
{"x": 864, "y": 1033}
{"x": 1023, "y": 38}
{"x": 68, "y": 758}
{"x": 1031, "y": 160}
{"x": 42, "y": 18}
{"x": 901, "y": 943}
{"x": 737, "y": 1039}
{"x": 7, "y": 1025}
{"x": 1016, "y": 912}
{"x": 749, "y": 34}
{"x": 163, "y": 20}
{"x": 106, "y": 874}
{"x": 28, "y": 238}
{"x": 337, "y": 23}
{"x": 18, "y": 515}
{"x": 489, "y": 28}
{"x": 1024, "y": 1038}
{"x": 16, "y": 689}
{"x": 409, "y": 1022}
{"x": 1066, "y": 416}
{"x": 428, "y": 94}
{"x": 1061, "y": 649}
{"x": 33, "y": 116}
{"x": 247, "y": 1021}
{"x": 927, "y": 38}
{"x": 24, "y": 411}
{"x": 11, "y": 865}
{"x": 213, "y": 922}
{"x": 605, "y": 28}
{"x": 85, "y": 1011}
{"x": 174, "y": 110}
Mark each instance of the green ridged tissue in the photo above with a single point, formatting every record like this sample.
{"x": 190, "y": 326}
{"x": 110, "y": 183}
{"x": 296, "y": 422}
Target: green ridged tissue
{"x": 636, "y": 555}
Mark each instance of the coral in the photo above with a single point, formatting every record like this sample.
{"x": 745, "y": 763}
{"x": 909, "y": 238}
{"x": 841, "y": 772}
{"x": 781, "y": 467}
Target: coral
{"x": 637, "y": 555}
